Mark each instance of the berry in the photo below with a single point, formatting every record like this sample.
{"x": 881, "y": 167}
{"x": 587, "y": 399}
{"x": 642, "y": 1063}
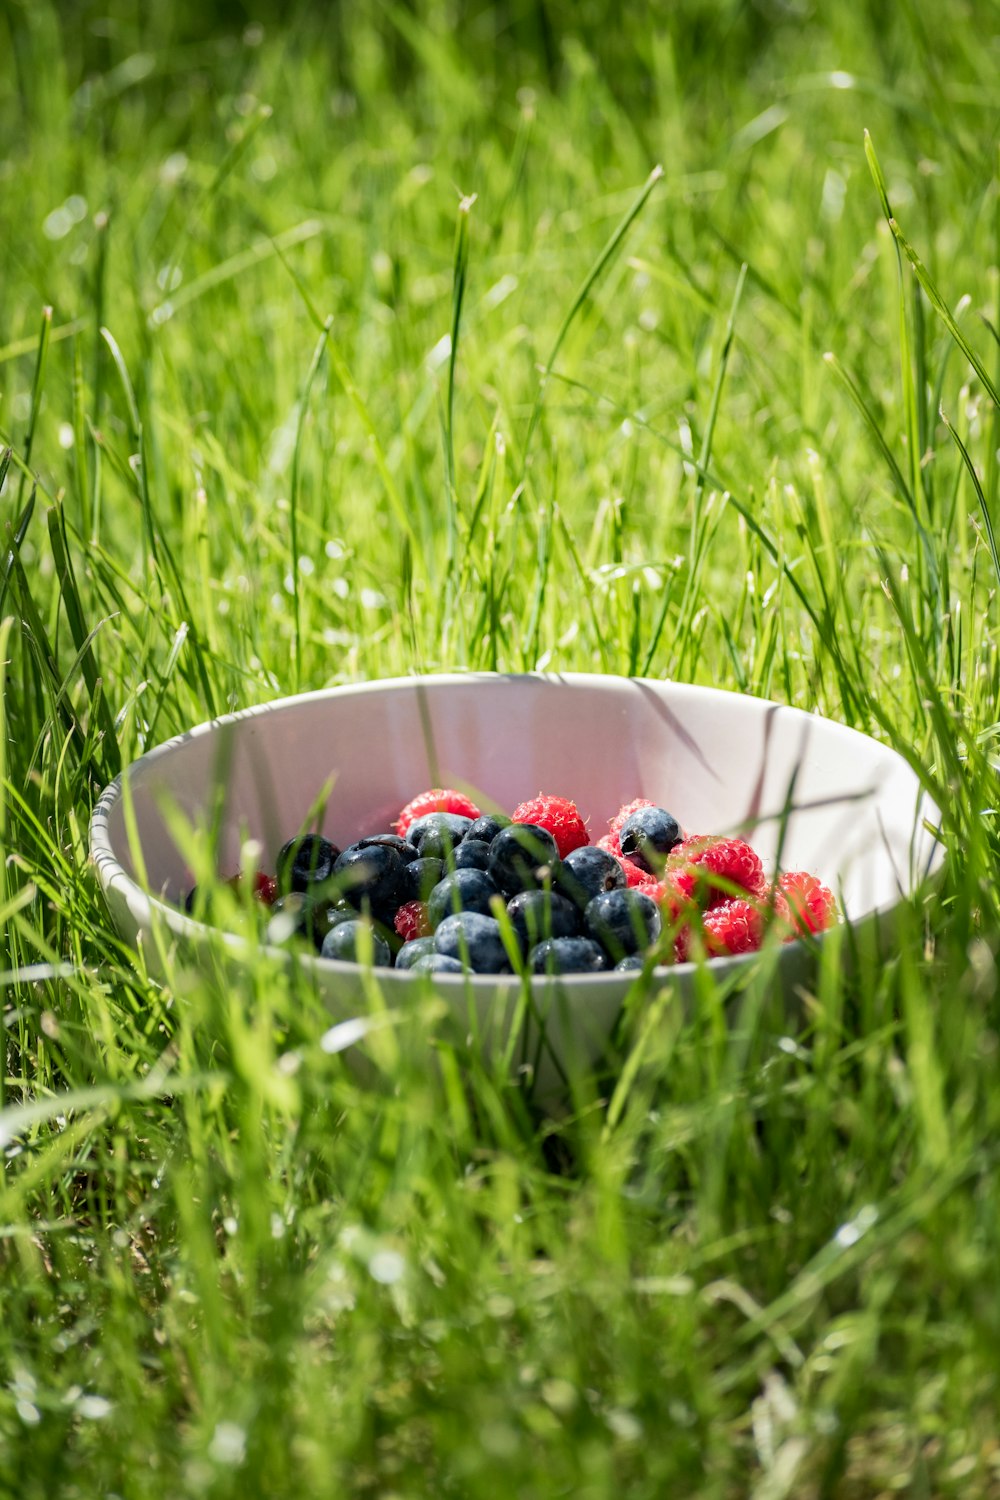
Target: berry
{"x": 406, "y": 850}
{"x": 567, "y": 955}
{"x": 648, "y": 835}
{"x": 265, "y": 888}
{"x": 697, "y": 866}
{"x": 536, "y": 915}
{"x": 623, "y": 814}
{"x": 811, "y": 905}
{"x": 472, "y": 854}
{"x": 463, "y": 890}
{"x": 437, "y": 963}
{"x": 623, "y": 921}
{"x": 429, "y": 891}
{"x": 372, "y": 874}
{"x": 487, "y": 826}
{"x": 351, "y": 940}
{"x": 302, "y": 915}
{"x": 471, "y": 935}
{"x": 440, "y": 799}
{"x": 610, "y": 843}
{"x": 437, "y": 834}
{"x": 414, "y": 949}
{"x": 732, "y": 927}
{"x": 559, "y": 816}
{"x": 522, "y": 857}
{"x": 288, "y": 919}
{"x": 420, "y": 877}
{"x": 588, "y": 871}
{"x": 304, "y": 861}
{"x": 320, "y": 916}
{"x": 411, "y": 921}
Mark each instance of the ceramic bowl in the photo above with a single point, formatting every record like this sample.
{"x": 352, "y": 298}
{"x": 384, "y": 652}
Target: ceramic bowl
{"x": 833, "y": 801}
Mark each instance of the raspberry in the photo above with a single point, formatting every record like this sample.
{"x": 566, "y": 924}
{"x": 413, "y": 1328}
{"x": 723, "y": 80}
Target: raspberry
{"x": 732, "y": 927}
{"x": 695, "y": 861}
{"x": 440, "y": 799}
{"x": 411, "y": 921}
{"x": 810, "y": 905}
{"x": 611, "y": 844}
{"x": 559, "y": 816}
{"x": 263, "y": 889}
{"x": 650, "y": 887}
{"x": 635, "y": 875}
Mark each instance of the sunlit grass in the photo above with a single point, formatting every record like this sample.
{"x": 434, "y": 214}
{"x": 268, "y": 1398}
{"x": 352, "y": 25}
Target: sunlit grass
{"x": 357, "y": 346}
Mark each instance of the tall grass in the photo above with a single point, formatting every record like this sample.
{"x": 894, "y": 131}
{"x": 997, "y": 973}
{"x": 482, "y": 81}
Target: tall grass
{"x": 348, "y": 344}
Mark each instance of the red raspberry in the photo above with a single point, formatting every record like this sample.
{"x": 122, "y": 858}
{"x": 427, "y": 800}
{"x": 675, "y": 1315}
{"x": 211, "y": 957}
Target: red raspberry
{"x": 732, "y": 927}
{"x": 649, "y": 886}
{"x": 635, "y": 875}
{"x": 695, "y": 861}
{"x": 440, "y": 799}
{"x": 623, "y": 814}
{"x": 559, "y": 816}
{"x": 264, "y": 889}
{"x": 611, "y": 845}
{"x": 810, "y": 905}
{"x": 411, "y": 921}
{"x": 783, "y": 922}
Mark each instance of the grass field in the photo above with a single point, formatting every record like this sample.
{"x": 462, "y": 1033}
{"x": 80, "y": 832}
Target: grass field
{"x": 412, "y": 336}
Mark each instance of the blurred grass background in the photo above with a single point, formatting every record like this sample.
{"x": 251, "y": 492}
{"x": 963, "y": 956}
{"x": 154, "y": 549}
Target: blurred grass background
{"x": 338, "y": 342}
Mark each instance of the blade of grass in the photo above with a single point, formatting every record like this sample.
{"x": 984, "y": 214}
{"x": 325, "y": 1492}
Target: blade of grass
{"x": 294, "y": 494}
{"x": 82, "y": 639}
{"x": 36, "y": 399}
{"x": 590, "y": 280}
{"x": 984, "y": 508}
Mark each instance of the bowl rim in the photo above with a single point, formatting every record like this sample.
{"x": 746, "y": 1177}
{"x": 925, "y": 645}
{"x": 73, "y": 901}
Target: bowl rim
{"x": 148, "y": 908}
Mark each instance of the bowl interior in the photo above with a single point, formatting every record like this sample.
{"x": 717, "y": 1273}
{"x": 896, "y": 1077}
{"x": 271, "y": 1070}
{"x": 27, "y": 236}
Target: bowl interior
{"x": 832, "y": 801}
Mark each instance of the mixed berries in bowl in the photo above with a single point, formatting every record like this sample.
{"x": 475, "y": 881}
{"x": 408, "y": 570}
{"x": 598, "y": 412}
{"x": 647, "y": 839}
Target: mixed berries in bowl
{"x": 815, "y": 796}
{"x": 658, "y": 773}
{"x": 449, "y": 889}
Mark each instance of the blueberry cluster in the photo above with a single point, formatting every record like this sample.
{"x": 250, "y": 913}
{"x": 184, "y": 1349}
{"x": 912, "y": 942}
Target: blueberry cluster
{"x": 494, "y": 897}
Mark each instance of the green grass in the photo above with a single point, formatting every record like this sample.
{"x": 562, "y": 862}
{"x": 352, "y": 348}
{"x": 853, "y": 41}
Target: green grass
{"x": 351, "y": 345}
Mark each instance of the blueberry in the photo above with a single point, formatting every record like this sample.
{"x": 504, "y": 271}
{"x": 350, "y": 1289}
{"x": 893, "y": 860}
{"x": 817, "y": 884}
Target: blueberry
{"x": 623, "y": 921}
{"x": 349, "y": 941}
{"x": 411, "y": 951}
{"x": 320, "y": 916}
{"x": 437, "y": 833}
{"x": 420, "y": 877}
{"x": 587, "y": 872}
{"x": 522, "y": 857}
{"x": 289, "y": 917}
{"x": 487, "y": 826}
{"x": 471, "y": 935}
{"x": 630, "y": 963}
{"x": 304, "y": 916}
{"x": 463, "y": 890}
{"x": 437, "y": 963}
{"x": 648, "y": 836}
{"x": 567, "y": 955}
{"x": 472, "y": 854}
{"x": 535, "y": 915}
{"x": 304, "y": 861}
{"x": 403, "y": 847}
{"x": 372, "y": 874}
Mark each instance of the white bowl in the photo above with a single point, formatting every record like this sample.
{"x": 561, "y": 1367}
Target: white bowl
{"x": 833, "y": 801}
